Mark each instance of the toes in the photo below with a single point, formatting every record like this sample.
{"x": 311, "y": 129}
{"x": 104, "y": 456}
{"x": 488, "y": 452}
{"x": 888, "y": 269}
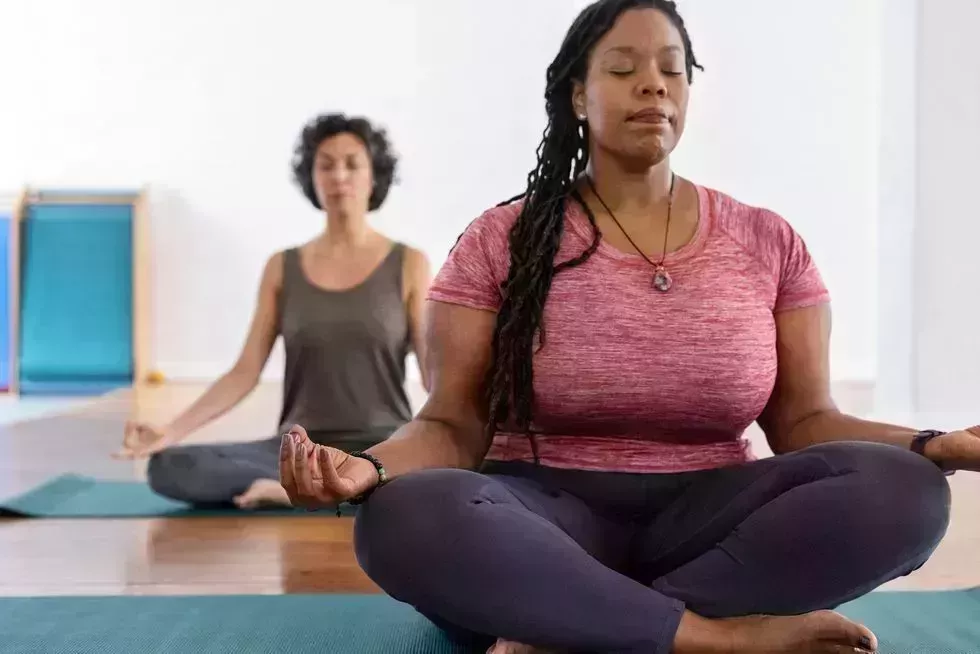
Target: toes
{"x": 510, "y": 647}
{"x": 848, "y": 635}
{"x": 861, "y": 638}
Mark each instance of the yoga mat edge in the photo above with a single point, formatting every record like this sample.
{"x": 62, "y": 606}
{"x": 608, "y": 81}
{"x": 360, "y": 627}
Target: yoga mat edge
{"x": 79, "y": 496}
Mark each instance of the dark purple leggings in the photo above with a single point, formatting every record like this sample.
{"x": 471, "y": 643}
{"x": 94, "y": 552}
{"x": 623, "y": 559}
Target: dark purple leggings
{"x": 608, "y": 562}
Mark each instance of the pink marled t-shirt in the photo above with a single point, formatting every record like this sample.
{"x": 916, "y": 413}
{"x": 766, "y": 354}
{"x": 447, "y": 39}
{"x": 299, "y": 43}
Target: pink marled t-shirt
{"x": 631, "y": 379}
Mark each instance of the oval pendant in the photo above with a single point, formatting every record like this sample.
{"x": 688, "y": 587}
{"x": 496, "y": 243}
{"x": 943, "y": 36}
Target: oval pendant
{"x": 661, "y": 280}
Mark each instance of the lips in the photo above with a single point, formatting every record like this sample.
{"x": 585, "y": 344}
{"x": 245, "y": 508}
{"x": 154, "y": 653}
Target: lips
{"x": 653, "y": 115}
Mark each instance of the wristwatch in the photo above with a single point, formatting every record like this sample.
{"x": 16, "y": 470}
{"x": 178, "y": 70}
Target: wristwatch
{"x": 921, "y": 439}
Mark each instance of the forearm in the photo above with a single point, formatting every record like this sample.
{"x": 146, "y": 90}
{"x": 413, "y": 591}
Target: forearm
{"x": 427, "y": 443}
{"x": 221, "y": 397}
{"x": 832, "y": 425}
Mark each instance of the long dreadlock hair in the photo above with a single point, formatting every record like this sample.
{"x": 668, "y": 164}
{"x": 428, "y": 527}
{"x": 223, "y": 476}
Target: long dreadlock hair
{"x": 536, "y": 235}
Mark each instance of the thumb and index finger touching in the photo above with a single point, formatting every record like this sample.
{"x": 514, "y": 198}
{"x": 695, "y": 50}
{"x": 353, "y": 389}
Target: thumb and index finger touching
{"x": 131, "y": 440}
{"x": 308, "y": 468}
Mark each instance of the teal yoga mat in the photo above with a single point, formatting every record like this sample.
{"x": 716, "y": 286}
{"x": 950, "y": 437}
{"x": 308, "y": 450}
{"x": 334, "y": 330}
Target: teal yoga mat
{"x": 906, "y": 623}
{"x": 76, "y": 299}
{"x": 77, "y": 496}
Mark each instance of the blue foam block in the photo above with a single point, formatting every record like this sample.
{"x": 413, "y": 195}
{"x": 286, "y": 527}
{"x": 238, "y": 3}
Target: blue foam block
{"x": 76, "y": 298}
{"x": 6, "y": 225}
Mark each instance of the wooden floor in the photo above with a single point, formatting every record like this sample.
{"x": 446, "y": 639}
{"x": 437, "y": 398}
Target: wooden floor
{"x": 230, "y": 555}
{"x": 161, "y": 556}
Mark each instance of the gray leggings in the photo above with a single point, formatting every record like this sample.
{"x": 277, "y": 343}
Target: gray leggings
{"x": 214, "y": 474}
{"x": 608, "y": 562}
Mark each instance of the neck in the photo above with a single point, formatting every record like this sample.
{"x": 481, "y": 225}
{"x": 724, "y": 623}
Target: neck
{"x": 345, "y": 230}
{"x": 631, "y": 190}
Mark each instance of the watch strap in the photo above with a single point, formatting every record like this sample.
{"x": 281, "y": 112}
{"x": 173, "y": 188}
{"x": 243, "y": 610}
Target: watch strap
{"x": 921, "y": 439}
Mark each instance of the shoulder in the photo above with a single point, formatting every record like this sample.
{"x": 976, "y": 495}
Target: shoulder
{"x": 478, "y": 261}
{"x": 775, "y": 245}
{"x": 416, "y": 266}
{"x": 487, "y": 237}
{"x": 272, "y": 271}
{"x": 751, "y": 224}
{"x": 495, "y": 223}
{"x": 414, "y": 258}
{"x": 759, "y": 231}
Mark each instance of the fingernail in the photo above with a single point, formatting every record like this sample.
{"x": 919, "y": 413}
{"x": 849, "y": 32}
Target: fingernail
{"x": 865, "y": 643}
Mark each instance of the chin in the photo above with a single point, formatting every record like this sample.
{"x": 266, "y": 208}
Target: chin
{"x": 646, "y": 157}
{"x": 345, "y": 206}
{"x": 646, "y": 150}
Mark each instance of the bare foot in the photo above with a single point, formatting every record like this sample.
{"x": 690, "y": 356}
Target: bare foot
{"x": 263, "y": 492}
{"x": 510, "y": 647}
{"x": 822, "y": 632}
{"x": 813, "y": 633}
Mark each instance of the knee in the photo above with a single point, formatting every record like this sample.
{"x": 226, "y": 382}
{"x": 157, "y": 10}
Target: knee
{"x": 897, "y": 490}
{"x": 405, "y": 525}
{"x": 165, "y": 472}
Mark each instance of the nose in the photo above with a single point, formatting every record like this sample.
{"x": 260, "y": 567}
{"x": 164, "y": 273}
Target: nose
{"x": 652, "y": 84}
{"x": 338, "y": 174}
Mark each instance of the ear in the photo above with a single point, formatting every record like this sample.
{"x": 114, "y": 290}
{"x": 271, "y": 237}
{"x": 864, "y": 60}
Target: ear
{"x": 578, "y": 99}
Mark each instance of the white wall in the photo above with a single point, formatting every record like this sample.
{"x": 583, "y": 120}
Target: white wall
{"x": 947, "y": 270}
{"x": 202, "y": 102}
{"x": 786, "y": 115}
{"x": 898, "y": 63}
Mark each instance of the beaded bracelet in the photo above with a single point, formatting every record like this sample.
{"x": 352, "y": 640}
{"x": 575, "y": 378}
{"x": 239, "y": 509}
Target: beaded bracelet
{"x": 382, "y": 479}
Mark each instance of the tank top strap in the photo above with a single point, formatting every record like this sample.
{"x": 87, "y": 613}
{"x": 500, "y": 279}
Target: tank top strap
{"x": 292, "y": 271}
{"x": 388, "y": 275}
{"x": 396, "y": 261}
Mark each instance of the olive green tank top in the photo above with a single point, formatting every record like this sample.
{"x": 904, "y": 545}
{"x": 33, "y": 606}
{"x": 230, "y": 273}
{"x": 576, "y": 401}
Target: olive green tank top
{"x": 345, "y": 353}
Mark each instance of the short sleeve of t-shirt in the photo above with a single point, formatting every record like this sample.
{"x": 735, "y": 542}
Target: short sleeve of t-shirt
{"x": 478, "y": 264}
{"x": 800, "y": 282}
{"x": 778, "y": 248}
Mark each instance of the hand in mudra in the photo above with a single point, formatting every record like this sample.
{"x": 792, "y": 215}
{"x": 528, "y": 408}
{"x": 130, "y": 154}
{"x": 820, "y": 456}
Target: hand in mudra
{"x": 317, "y": 476}
{"x": 141, "y": 440}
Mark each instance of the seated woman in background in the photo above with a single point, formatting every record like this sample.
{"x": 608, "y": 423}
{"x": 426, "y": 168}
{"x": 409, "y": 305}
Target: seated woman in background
{"x": 597, "y": 350}
{"x": 348, "y": 306}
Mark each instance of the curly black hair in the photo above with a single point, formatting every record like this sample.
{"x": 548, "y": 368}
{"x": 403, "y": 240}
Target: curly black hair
{"x": 534, "y": 239}
{"x": 320, "y": 128}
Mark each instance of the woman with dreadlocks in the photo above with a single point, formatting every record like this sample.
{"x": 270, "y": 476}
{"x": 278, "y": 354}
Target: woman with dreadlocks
{"x": 579, "y": 479}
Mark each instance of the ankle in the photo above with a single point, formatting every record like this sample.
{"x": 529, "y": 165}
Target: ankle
{"x": 697, "y": 635}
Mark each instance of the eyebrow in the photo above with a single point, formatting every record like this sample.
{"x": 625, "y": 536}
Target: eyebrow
{"x": 628, "y": 49}
{"x": 331, "y": 157}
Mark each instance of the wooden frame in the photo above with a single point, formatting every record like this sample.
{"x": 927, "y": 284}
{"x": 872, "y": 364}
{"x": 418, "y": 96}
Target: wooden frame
{"x": 16, "y": 217}
{"x": 142, "y": 305}
{"x": 142, "y": 320}
{"x": 15, "y": 203}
